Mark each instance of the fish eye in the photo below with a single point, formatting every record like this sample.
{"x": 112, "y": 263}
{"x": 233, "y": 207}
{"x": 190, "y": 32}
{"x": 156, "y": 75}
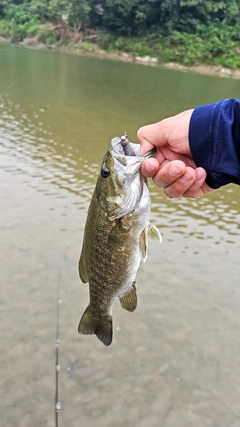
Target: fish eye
{"x": 105, "y": 172}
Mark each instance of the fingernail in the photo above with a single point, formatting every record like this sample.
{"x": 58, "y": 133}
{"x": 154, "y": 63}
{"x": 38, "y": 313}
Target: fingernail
{"x": 199, "y": 175}
{"x": 174, "y": 170}
{"x": 186, "y": 177}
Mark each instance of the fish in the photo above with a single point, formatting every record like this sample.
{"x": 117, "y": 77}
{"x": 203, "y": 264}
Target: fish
{"x": 115, "y": 237}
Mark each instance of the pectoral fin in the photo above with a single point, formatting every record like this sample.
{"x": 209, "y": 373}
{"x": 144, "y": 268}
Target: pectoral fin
{"x": 129, "y": 300}
{"x": 144, "y": 244}
{"x": 154, "y": 233}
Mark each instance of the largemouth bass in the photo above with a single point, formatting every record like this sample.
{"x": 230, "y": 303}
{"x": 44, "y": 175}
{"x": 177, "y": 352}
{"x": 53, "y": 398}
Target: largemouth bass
{"x": 115, "y": 237}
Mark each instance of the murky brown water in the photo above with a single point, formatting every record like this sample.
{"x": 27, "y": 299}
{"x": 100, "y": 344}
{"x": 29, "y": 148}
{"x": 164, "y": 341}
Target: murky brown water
{"x": 175, "y": 361}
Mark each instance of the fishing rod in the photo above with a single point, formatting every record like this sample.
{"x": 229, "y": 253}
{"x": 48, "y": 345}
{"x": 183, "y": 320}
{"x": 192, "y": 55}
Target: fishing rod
{"x": 57, "y": 344}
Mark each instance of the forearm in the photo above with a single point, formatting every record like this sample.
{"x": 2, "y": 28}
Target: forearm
{"x": 214, "y": 137}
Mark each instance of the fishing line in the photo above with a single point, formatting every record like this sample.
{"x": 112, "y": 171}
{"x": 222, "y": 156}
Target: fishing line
{"x": 57, "y": 365}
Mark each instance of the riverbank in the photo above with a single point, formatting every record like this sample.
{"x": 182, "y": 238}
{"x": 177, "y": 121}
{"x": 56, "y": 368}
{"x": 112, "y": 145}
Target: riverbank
{"x": 91, "y": 49}
{"x": 211, "y": 70}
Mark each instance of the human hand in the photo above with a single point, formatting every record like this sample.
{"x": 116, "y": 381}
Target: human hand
{"x": 172, "y": 168}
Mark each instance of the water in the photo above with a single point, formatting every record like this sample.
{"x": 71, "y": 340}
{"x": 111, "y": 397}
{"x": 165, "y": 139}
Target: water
{"x": 175, "y": 361}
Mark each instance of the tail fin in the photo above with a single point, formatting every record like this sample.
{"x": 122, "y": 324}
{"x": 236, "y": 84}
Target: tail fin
{"x": 91, "y": 323}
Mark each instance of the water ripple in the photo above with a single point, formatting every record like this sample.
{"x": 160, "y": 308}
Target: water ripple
{"x": 215, "y": 216}
{"x": 28, "y": 149}
{"x": 55, "y": 166}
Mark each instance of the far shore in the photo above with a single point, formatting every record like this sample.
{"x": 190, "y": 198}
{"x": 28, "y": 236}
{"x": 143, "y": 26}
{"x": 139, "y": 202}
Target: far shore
{"x": 211, "y": 70}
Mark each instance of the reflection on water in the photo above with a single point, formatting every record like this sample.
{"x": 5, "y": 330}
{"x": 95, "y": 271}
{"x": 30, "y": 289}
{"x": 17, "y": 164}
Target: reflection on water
{"x": 175, "y": 361}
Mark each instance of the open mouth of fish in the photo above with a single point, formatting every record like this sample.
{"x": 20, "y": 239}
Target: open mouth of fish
{"x": 125, "y": 151}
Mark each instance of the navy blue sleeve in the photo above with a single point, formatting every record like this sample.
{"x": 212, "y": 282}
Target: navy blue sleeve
{"x": 214, "y": 137}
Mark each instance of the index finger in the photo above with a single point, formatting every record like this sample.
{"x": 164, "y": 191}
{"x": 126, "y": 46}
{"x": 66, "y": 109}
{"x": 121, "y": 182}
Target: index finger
{"x": 150, "y": 136}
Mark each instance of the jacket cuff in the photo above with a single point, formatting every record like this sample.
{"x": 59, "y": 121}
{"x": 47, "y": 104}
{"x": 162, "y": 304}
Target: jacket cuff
{"x": 214, "y": 138}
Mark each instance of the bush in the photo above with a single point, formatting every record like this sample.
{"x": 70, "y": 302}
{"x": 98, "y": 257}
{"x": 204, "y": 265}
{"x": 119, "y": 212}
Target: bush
{"x": 4, "y": 31}
{"x": 167, "y": 56}
{"x": 32, "y": 27}
{"x": 47, "y": 36}
{"x": 19, "y": 32}
{"x": 106, "y": 40}
{"x": 233, "y": 62}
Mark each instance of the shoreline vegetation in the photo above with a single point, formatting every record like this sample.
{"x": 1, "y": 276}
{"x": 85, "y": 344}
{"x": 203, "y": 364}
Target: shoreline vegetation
{"x": 92, "y": 49}
{"x": 194, "y": 35}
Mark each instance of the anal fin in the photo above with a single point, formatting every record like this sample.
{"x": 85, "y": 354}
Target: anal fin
{"x": 129, "y": 299}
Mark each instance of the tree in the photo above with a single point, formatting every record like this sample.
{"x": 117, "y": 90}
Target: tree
{"x": 48, "y": 9}
{"x": 78, "y": 14}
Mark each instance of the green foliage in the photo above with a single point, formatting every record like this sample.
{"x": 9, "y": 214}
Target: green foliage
{"x": 19, "y": 13}
{"x": 46, "y": 35}
{"x": 118, "y": 15}
{"x": 4, "y": 28}
{"x": 167, "y": 55}
{"x": 40, "y": 9}
{"x": 18, "y": 32}
{"x": 78, "y": 14}
{"x": 186, "y": 31}
{"x": 19, "y": 23}
{"x": 48, "y": 9}
{"x": 106, "y": 40}
{"x": 184, "y": 48}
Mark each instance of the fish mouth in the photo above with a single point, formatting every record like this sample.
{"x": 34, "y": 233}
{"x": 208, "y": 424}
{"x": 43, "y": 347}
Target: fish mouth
{"x": 127, "y": 181}
{"x": 118, "y": 152}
